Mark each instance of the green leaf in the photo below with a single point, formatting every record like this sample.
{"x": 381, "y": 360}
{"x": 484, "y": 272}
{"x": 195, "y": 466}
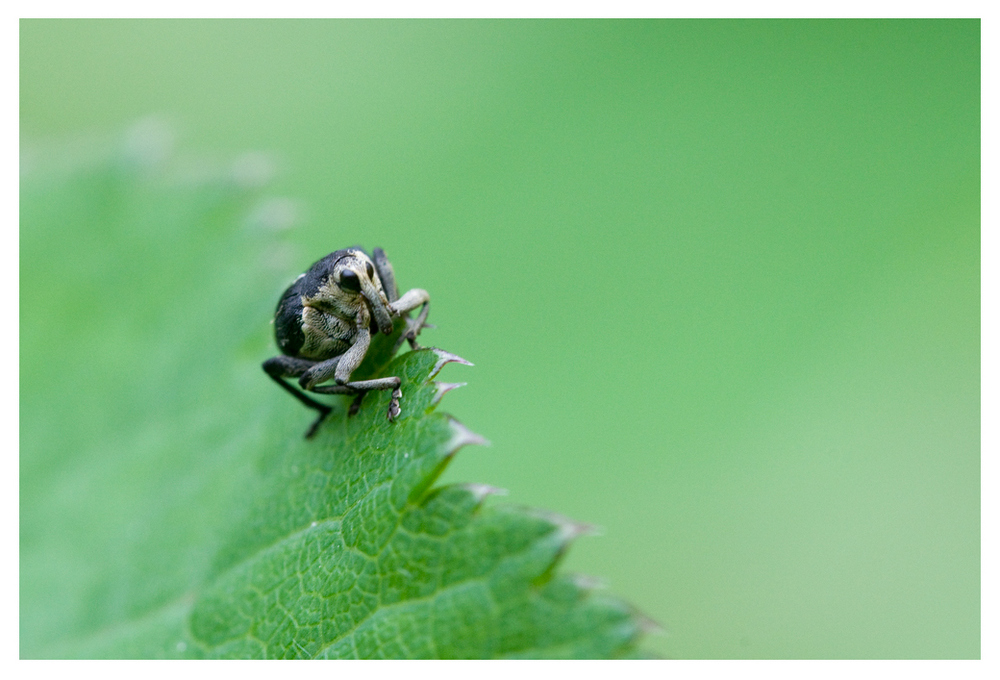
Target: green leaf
{"x": 170, "y": 506}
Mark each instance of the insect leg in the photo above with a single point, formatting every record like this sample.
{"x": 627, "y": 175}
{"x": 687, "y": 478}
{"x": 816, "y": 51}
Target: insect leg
{"x": 385, "y": 274}
{"x": 410, "y": 300}
{"x": 390, "y": 383}
{"x": 360, "y": 387}
{"x": 280, "y": 367}
{"x": 352, "y": 358}
{"x": 346, "y": 363}
{"x": 320, "y": 371}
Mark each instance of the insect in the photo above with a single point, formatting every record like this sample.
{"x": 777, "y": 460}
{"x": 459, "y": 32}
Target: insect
{"x": 324, "y": 323}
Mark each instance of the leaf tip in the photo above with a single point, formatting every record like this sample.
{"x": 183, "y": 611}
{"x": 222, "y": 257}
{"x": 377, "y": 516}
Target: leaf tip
{"x": 567, "y": 529}
{"x": 462, "y": 436}
{"x": 443, "y": 388}
{"x": 481, "y": 491}
{"x": 588, "y": 583}
{"x": 648, "y": 626}
{"x": 446, "y": 358}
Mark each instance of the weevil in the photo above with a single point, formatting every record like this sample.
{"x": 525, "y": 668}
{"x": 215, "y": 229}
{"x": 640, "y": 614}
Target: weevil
{"x": 325, "y": 321}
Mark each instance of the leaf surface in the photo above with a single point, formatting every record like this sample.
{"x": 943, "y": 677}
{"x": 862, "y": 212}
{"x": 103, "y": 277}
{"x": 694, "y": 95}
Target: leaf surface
{"x": 169, "y": 504}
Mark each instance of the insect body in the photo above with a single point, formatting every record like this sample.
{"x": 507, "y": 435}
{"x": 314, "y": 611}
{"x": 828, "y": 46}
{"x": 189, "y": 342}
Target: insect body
{"x": 324, "y": 323}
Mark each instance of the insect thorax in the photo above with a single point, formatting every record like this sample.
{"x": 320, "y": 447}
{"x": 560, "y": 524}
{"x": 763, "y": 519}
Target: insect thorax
{"x": 325, "y": 335}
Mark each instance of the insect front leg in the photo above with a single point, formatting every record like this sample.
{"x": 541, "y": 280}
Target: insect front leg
{"x": 362, "y": 387}
{"x": 320, "y": 371}
{"x": 281, "y": 367}
{"x": 346, "y": 365}
{"x": 411, "y": 300}
{"x": 385, "y": 274}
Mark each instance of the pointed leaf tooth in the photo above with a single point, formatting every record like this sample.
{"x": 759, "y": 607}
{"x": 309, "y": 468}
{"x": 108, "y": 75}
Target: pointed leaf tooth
{"x": 588, "y": 582}
{"x": 444, "y": 388}
{"x": 481, "y": 491}
{"x": 572, "y": 530}
{"x": 567, "y": 529}
{"x": 649, "y": 626}
{"x": 462, "y": 436}
{"x": 446, "y": 358}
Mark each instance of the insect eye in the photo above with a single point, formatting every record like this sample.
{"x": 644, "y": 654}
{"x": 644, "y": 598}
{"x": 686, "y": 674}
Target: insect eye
{"x": 349, "y": 281}
{"x": 371, "y": 270}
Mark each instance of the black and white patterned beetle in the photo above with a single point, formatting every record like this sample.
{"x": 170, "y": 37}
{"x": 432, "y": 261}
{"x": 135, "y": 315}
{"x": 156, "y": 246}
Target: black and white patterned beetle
{"x": 325, "y": 320}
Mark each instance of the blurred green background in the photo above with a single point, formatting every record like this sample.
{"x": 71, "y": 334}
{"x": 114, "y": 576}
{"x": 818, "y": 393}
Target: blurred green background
{"x": 720, "y": 281}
